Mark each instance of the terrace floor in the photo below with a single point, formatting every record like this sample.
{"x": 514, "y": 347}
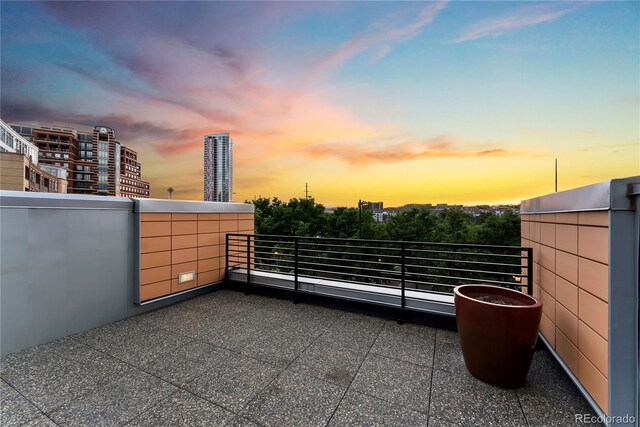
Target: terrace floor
{"x": 232, "y": 359}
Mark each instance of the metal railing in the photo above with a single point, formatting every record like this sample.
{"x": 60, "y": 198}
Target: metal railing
{"x": 416, "y": 266}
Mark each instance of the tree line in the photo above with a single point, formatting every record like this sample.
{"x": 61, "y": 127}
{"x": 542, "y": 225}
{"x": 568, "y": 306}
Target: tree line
{"x": 305, "y": 217}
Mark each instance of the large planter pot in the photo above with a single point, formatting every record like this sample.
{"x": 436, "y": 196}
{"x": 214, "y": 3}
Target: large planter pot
{"x": 497, "y": 332}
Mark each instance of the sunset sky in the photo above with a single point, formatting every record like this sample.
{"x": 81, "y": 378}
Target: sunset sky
{"x": 459, "y": 102}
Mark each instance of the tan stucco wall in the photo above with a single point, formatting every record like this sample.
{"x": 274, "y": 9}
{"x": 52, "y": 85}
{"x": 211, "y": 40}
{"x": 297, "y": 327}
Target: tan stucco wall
{"x": 570, "y": 252}
{"x": 174, "y": 243}
{"x": 12, "y": 172}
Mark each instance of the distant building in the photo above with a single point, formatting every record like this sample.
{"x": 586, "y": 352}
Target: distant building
{"x": 218, "y": 167}
{"x": 12, "y": 142}
{"x": 91, "y": 154}
{"x": 19, "y": 170}
{"x": 131, "y": 182}
{"x": 19, "y": 173}
{"x": 381, "y": 216}
{"x": 376, "y": 206}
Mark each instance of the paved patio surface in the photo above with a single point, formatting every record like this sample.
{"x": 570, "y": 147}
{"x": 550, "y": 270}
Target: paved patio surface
{"x": 230, "y": 359}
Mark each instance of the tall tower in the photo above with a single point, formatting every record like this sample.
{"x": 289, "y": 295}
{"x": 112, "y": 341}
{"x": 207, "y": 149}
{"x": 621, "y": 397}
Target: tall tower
{"x": 218, "y": 167}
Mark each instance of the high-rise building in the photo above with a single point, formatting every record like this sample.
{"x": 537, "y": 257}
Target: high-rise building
{"x": 131, "y": 183}
{"x": 91, "y": 154}
{"x": 218, "y": 167}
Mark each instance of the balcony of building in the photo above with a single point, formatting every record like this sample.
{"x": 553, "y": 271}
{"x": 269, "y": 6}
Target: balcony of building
{"x": 150, "y": 312}
{"x": 226, "y": 358}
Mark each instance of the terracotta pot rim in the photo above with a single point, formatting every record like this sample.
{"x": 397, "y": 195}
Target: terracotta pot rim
{"x": 537, "y": 302}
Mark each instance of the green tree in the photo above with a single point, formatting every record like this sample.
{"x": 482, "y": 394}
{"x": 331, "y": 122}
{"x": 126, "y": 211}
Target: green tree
{"x": 499, "y": 229}
{"x": 417, "y": 225}
{"x": 305, "y": 217}
{"x": 454, "y": 226}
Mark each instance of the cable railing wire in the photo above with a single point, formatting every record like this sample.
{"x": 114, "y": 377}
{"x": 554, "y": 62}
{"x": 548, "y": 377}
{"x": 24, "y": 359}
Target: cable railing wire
{"x": 420, "y": 266}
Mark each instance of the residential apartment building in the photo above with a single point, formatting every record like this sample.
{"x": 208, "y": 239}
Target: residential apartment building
{"x": 218, "y": 167}
{"x": 131, "y": 183}
{"x": 91, "y": 154}
{"x": 19, "y": 173}
{"x": 12, "y": 142}
{"x": 19, "y": 169}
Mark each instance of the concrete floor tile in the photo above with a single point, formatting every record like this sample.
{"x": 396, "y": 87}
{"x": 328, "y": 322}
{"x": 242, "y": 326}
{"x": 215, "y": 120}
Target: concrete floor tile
{"x": 183, "y": 409}
{"x": 549, "y": 396}
{"x": 354, "y": 330}
{"x": 448, "y": 354}
{"x": 239, "y": 421}
{"x": 330, "y": 362}
{"x": 406, "y": 344}
{"x": 394, "y": 381}
{"x": 115, "y": 403}
{"x": 295, "y": 400}
{"x": 15, "y": 410}
{"x": 464, "y": 400}
{"x": 234, "y": 383}
{"x": 360, "y": 410}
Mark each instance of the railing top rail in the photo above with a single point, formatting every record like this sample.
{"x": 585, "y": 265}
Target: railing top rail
{"x": 398, "y": 242}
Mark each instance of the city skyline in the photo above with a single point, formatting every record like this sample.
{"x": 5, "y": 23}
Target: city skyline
{"x": 465, "y": 103}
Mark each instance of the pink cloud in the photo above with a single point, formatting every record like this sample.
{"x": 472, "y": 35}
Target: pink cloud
{"x": 520, "y": 18}
{"x": 366, "y": 152}
{"x": 380, "y": 37}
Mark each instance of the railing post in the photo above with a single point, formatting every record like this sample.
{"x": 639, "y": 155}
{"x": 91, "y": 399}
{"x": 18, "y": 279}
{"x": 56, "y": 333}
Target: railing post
{"x": 295, "y": 263}
{"x": 402, "y": 272}
{"x": 226, "y": 257}
{"x": 530, "y": 271}
{"x": 248, "y": 259}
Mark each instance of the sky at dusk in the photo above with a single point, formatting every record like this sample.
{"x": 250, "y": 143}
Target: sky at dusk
{"x": 459, "y": 102}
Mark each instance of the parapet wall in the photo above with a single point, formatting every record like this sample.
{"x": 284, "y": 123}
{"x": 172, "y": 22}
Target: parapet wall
{"x": 70, "y": 263}
{"x": 585, "y": 246}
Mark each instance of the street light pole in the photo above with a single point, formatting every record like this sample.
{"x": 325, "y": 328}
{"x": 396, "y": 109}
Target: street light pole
{"x": 361, "y": 203}
{"x": 360, "y": 218}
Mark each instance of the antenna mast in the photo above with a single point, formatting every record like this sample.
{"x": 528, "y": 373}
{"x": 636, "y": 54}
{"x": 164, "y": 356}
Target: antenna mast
{"x": 556, "y": 175}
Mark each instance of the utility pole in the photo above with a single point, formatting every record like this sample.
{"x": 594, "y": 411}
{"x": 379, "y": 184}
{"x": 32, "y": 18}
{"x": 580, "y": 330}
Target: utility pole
{"x": 360, "y": 218}
{"x": 360, "y": 204}
{"x": 306, "y": 191}
{"x": 556, "y": 175}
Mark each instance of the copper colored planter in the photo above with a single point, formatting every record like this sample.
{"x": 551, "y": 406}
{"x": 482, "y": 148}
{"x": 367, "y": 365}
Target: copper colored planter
{"x": 497, "y": 340}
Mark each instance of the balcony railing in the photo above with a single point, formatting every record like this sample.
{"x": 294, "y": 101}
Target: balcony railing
{"x": 423, "y": 267}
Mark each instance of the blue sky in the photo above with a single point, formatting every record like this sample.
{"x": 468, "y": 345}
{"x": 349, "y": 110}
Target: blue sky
{"x": 403, "y": 102}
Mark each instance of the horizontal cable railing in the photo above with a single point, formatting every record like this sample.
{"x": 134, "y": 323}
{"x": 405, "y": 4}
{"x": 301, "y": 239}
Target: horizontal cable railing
{"x": 416, "y": 266}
